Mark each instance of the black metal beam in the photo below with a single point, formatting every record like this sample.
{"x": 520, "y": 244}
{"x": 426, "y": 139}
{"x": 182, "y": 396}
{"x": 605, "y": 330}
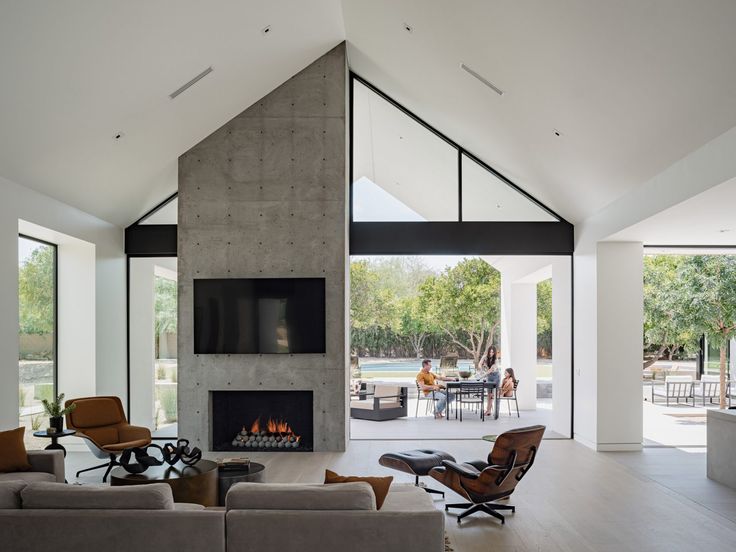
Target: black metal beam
{"x": 153, "y": 240}
{"x": 461, "y": 238}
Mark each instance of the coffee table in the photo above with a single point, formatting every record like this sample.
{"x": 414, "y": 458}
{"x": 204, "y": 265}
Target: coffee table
{"x": 195, "y": 484}
{"x": 228, "y": 478}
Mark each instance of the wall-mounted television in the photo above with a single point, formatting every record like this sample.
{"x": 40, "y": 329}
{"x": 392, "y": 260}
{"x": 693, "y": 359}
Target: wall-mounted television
{"x": 259, "y": 315}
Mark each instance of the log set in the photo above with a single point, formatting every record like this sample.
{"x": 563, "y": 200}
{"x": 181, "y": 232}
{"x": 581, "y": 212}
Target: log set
{"x": 274, "y": 434}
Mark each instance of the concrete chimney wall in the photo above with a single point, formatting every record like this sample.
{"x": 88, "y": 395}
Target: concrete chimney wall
{"x": 266, "y": 196}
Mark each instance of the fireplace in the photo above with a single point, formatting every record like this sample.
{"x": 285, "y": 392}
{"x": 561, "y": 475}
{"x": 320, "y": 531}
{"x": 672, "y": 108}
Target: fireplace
{"x": 262, "y": 421}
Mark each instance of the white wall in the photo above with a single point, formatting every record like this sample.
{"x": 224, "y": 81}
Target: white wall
{"x": 105, "y": 356}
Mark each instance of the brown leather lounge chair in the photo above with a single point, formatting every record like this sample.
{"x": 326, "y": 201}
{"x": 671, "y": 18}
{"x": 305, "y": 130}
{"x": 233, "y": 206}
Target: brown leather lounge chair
{"x": 101, "y": 422}
{"x": 482, "y": 483}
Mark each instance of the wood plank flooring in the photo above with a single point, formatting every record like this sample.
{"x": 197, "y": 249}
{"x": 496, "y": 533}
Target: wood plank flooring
{"x": 573, "y": 499}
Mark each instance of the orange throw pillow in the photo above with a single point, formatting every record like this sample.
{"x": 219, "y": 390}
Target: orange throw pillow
{"x": 380, "y": 484}
{"x": 13, "y": 456}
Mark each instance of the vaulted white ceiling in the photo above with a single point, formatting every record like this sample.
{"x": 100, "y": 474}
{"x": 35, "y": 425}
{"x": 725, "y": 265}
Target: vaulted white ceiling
{"x": 632, "y": 86}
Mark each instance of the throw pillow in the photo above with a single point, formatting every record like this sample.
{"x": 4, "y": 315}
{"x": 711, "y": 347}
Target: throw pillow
{"x": 13, "y": 456}
{"x": 380, "y": 485}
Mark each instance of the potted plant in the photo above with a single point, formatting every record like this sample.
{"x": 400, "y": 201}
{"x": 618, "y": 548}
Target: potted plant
{"x": 56, "y": 413}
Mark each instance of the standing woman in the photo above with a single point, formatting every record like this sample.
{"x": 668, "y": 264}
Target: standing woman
{"x": 488, "y": 371}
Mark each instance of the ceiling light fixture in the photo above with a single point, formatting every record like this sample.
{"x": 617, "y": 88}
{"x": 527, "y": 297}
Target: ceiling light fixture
{"x": 266, "y": 29}
{"x": 557, "y": 132}
{"x": 482, "y": 79}
{"x": 408, "y": 28}
{"x": 191, "y": 83}
{"x": 118, "y": 135}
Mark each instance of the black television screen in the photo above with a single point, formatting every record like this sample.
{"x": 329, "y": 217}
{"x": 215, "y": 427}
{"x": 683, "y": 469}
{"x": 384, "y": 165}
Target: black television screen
{"x": 259, "y": 315}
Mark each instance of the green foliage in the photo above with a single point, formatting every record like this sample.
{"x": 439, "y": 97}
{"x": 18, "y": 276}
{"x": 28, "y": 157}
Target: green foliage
{"x": 22, "y": 395}
{"x": 160, "y": 372}
{"x": 544, "y": 318}
{"x": 36, "y": 423}
{"x": 165, "y": 305}
{"x": 36, "y": 292}
{"x": 167, "y": 400}
{"x": 464, "y": 302}
{"x": 54, "y": 407}
{"x": 43, "y": 391}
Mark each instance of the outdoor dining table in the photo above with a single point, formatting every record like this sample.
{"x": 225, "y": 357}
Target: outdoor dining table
{"x": 489, "y": 387}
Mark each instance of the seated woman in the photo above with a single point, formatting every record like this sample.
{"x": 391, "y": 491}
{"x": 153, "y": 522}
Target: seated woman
{"x": 507, "y": 385}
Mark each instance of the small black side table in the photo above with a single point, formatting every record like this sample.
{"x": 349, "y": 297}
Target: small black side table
{"x": 54, "y": 438}
{"x": 228, "y": 478}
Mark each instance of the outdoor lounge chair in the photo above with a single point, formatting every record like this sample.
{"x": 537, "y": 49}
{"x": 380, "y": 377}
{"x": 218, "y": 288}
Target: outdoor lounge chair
{"x": 709, "y": 388}
{"x": 675, "y": 388}
{"x": 386, "y": 402}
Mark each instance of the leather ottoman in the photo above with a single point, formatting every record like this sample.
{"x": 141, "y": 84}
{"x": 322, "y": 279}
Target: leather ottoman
{"x": 417, "y": 463}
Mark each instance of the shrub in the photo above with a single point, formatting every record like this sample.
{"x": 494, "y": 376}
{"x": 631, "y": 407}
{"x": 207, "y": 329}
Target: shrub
{"x": 167, "y": 399}
{"x": 160, "y": 372}
{"x": 36, "y": 423}
{"x": 43, "y": 391}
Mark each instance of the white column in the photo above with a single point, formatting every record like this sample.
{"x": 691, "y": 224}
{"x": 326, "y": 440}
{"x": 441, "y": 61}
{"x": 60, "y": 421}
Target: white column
{"x": 506, "y": 352}
{"x": 523, "y": 342}
{"x": 608, "y": 346}
{"x": 142, "y": 341}
{"x": 561, "y": 346}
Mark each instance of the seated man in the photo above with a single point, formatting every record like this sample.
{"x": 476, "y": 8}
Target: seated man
{"x": 427, "y": 383}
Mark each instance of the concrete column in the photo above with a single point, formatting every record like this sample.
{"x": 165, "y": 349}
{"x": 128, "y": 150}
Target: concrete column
{"x": 523, "y": 342}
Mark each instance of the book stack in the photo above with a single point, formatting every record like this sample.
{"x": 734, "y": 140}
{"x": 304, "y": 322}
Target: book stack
{"x": 225, "y": 464}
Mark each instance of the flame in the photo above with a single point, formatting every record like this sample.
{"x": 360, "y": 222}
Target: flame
{"x": 274, "y": 425}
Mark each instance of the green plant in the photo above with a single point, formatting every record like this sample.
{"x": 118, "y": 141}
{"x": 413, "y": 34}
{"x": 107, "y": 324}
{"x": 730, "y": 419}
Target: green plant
{"x": 53, "y": 408}
{"x": 22, "y": 395}
{"x": 167, "y": 398}
{"x": 43, "y": 391}
{"x": 36, "y": 423}
{"x": 174, "y": 375}
{"x": 160, "y": 372}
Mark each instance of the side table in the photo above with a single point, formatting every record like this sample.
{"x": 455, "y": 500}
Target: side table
{"x": 228, "y": 478}
{"x": 55, "y": 438}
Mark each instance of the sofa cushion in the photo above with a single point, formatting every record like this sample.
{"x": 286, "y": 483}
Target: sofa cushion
{"x": 289, "y": 496}
{"x": 45, "y": 496}
{"x": 380, "y": 485}
{"x": 408, "y": 498}
{"x": 28, "y": 477}
{"x": 13, "y": 457}
{"x": 10, "y": 494}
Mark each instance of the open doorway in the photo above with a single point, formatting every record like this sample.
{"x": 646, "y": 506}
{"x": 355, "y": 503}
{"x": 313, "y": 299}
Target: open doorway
{"x": 450, "y": 310}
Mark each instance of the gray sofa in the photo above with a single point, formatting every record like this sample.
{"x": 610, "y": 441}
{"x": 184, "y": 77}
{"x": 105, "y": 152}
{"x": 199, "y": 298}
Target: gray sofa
{"x": 259, "y": 517}
{"x": 335, "y": 517}
{"x": 46, "y": 465}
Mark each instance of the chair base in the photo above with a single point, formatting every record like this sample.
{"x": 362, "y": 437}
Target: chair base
{"x": 489, "y": 508}
{"x": 110, "y": 464}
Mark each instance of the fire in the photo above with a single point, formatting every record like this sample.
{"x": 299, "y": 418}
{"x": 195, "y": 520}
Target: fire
{"x": 273, "y": 425}
{"x": 256, "y": 427}
{"x": 274, "y": 433}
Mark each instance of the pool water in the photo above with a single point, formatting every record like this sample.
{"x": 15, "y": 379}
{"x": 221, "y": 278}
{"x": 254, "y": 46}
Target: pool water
{"x": 408, "y": 366}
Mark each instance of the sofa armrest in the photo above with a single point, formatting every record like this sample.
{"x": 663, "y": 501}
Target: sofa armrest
{"x": 48, "y": 461}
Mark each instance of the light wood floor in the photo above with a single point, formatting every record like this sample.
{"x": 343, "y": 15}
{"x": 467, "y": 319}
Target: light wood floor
{"x": 573, "y": 498}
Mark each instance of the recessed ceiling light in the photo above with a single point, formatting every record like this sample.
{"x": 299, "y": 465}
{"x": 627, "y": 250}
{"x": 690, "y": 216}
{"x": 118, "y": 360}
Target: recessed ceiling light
{"x": 118, "y": 135}
{"x": 482, "y": 79}
{"x": 724, "y": 230}
{"x": 184, "y": 87}
{"x": 408, "y": 28}
{"x": 265, "y": 30}
{"x": 557, "y": 132}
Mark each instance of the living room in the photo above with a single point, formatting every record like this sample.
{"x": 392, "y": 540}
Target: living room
{"x": 187, "y": 189}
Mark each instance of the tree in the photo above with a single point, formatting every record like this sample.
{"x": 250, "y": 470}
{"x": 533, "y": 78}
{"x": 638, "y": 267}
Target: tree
{"x": 36, "y": 292}
{"x": 414, "y": 325}
{"x": 544, "y": 317}
{"x": 465, "y": 303}
{"x": 668, "y": 325}
{"x": 711, "y": 284}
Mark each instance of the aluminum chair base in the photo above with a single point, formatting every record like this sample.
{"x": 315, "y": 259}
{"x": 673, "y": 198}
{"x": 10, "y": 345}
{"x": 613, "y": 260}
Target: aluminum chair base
{"x": 486, "y": 507}
{"x": 110, "y": 464}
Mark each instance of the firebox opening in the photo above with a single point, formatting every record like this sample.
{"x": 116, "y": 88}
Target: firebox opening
{"x": 262, "y": 421}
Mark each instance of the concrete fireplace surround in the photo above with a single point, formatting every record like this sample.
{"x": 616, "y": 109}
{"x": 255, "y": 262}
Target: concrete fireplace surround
{"x": 266, "y": 196}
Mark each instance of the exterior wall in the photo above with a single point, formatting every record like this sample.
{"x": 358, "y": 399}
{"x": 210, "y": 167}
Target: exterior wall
{"x": 266, "y": 196}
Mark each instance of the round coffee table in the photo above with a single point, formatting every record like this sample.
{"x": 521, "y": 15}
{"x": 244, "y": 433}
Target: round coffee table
{"x": 195, "y": 484}
{"x": 228, "y": 478}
